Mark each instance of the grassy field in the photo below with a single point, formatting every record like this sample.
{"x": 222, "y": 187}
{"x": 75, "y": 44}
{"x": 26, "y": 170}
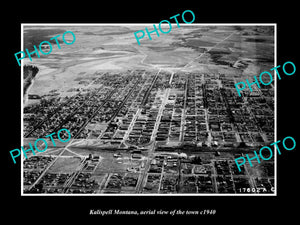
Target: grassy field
{"x": 114, "y": 48}
{"x": 65, "y": 165}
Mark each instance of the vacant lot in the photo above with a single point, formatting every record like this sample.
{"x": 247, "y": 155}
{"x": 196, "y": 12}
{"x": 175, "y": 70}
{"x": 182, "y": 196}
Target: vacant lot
{"x": 65, "y": 165}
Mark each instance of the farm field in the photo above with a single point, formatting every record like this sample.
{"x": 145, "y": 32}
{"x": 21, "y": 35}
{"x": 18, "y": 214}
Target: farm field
{"x": 158, "y": 118}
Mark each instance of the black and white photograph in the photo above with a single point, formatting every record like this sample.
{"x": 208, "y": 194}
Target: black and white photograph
{"x": 162, "y": 117}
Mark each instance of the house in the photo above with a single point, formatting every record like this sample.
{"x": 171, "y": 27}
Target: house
{"x": 45, "y": 46}
{"x": 136, "y": 156}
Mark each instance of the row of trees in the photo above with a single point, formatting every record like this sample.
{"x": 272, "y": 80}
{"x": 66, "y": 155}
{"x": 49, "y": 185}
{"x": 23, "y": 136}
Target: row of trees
{"x": 29, "y": 72}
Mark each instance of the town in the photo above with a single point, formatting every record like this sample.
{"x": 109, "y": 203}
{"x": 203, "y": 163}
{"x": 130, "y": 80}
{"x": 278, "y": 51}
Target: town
{"x": 45, "y": 145}
{"x": 262, "y": 81}
{"x": 151, "y": 132}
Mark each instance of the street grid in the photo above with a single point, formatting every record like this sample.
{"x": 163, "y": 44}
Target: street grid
{"x": 153, "y": 131}
{"x": 177, "y": 174}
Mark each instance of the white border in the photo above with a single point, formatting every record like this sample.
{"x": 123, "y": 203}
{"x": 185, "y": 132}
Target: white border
{"x": 146, "y": 24}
